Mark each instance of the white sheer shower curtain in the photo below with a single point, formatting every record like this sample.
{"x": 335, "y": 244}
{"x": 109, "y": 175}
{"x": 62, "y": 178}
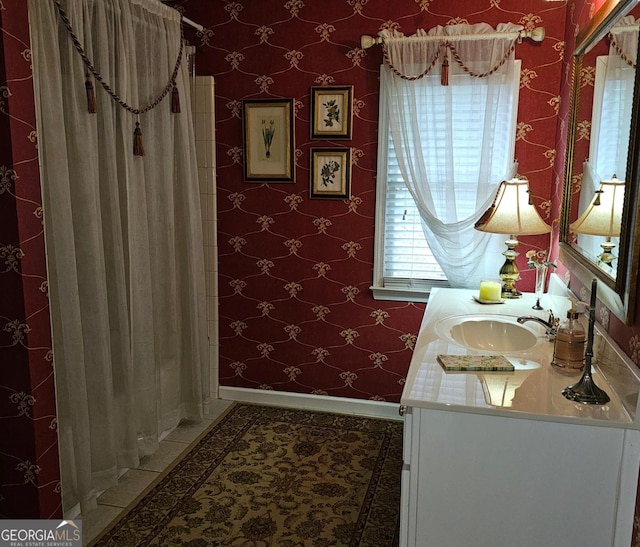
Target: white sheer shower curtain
{"x": 123, "y": 235}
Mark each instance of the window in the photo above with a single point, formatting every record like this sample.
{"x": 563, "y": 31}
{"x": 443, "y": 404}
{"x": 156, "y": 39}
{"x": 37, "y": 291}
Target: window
{"x": 404, "y": 266}
{"x": 612, "y": 103}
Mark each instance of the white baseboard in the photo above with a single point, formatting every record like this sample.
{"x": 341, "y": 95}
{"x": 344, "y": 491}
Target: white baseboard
{"x": 343, "y": 405}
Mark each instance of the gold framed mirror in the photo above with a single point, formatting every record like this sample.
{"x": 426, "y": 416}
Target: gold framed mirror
{"x": 598, "y": 228}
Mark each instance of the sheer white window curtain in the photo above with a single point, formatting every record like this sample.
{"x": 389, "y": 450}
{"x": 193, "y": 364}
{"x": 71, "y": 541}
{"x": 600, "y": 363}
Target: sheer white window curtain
{"x": 123, "y": 237}
{"x": 454, "y": 143}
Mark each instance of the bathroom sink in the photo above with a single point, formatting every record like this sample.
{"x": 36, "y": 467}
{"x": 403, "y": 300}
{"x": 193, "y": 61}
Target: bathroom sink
{"x": 495, "y": 333}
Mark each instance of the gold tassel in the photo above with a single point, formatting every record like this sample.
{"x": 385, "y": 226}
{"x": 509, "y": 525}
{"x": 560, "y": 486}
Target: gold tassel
{"x": 175, "y": 100}
{"x": 91, "y": 95}
{"x": 138, "y": 146}
{"x": 444, "y": 75}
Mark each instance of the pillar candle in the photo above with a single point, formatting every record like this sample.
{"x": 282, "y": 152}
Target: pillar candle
{"x": 490, "y": 290}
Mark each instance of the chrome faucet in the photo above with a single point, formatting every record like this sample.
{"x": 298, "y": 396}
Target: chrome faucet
{"x": 551, "y": 325}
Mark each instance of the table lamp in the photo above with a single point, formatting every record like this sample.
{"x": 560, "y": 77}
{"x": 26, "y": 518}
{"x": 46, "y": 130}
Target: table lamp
{"x": 512, "y": 212}
{"x": 603, "y": 216}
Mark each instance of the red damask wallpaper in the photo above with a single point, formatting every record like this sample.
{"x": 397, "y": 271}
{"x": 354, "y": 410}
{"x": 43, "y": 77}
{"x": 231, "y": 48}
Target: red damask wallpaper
{"x": 29, "y": 468}
{"x": 296, "y": 311}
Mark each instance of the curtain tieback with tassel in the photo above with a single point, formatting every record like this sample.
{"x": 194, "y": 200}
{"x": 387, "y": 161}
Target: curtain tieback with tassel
{"x": 175, "y": 100}
{"x": 91, "y": 94}
{"x": 138, "y": 145}
{"x": 138, "y": 148}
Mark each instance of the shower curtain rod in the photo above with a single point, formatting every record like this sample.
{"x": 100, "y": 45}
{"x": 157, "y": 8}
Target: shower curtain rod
{"x": 193, "y": 24}
{"x": 189, "y": 22}
{"x": 537, "y": 35}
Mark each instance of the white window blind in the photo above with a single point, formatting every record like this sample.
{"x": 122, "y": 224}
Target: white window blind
{"x": 406, "y": 253}
{"x": 403, "y": 261}
{"x": 610, "y": 127}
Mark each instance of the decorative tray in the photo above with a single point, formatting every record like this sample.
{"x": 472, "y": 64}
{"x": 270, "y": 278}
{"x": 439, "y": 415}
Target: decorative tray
{"x": 481, "y": 301}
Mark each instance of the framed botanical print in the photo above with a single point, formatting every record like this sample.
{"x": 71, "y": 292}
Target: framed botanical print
{"x": 330, "y": 173}
{"x": 332, "y": 115}
{"x": 268, "y": 140}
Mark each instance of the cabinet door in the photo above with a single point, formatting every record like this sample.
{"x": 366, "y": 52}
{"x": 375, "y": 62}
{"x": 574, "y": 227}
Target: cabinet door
{"x": 493, "y": 481}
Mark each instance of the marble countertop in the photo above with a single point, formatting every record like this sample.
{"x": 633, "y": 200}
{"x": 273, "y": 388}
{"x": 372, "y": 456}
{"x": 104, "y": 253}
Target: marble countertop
{"x": 534, "y": 389}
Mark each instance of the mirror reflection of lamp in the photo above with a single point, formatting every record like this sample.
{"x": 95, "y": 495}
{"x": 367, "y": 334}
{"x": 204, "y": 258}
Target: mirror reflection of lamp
{"x": 603, "y": 216}
{"x": 501, "y": 390}
{"x": 512, "y": 212}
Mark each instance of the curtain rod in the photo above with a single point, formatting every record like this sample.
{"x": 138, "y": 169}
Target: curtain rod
{"x": 537, "y": 35}
{"x": 193, "y": 24}
{"x": 632, "y": 27}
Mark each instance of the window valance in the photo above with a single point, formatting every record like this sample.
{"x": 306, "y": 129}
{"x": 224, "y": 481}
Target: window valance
{"x": 413, "y": 57}
{"x": 623, "y": 39}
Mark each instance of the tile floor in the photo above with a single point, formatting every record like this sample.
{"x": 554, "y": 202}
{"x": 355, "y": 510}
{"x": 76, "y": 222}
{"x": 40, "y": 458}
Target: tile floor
{"x": 113, "y": 501}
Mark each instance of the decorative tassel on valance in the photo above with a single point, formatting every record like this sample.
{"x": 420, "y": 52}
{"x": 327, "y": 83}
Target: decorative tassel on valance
{"x": 138, "y": 147}
{"x": 444, "y": 74}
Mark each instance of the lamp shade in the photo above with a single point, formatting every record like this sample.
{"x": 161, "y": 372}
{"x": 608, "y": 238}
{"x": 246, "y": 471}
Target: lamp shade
{"x": 603, "y": 216}
{"x": 511, "y": 212}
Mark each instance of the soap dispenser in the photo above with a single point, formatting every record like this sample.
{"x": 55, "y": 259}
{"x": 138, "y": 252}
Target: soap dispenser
{"x": 568, "y": 352}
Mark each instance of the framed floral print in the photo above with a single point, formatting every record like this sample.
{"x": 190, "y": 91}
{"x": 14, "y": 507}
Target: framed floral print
{"x": 332, "y": 115}
{"x": 268, "y": 140}
{"x": 330, "y": 173}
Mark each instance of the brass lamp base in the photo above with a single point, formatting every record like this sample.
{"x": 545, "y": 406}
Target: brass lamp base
{"x": 509, "y": 271}
{"x": 607, "y": 256}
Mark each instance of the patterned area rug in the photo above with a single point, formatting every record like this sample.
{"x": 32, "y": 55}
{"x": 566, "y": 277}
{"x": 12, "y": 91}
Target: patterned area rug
{"x": 266, "y": 476}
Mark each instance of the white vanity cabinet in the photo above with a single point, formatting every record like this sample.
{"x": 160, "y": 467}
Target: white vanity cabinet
{"x": 503, "y": 459}
{"x": 491, "y": 481}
